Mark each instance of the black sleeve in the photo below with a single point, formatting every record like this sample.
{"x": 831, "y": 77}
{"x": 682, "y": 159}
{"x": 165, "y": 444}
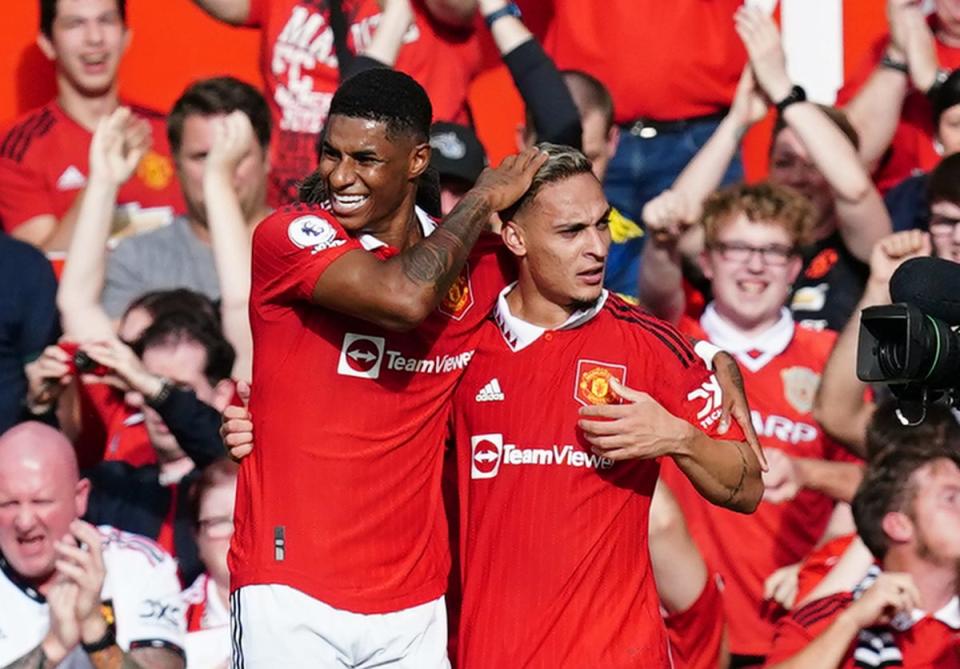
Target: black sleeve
{"x": 359, "y": 64}
{"x": 195, "y": 424}
{"x": 555, "y": 116}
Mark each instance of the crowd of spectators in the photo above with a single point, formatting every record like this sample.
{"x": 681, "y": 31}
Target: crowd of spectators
{"x": 116, "y": 491}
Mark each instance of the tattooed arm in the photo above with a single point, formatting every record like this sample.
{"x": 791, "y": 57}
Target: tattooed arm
{"x": 400, "y": 292}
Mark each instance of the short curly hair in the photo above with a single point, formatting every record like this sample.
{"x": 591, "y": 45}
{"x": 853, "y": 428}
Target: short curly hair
{"x": 386, "y": 96}
{"x": 760, "y": 203}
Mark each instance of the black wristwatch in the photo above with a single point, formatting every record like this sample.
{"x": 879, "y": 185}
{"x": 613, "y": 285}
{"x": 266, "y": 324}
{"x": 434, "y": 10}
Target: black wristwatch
{"x": 166, "y": 387}
{"x": 510, "y": 10}
{"x": 796, "y": 94}
{"x": 108, "y": 639}
{"x": 892, "y": 64}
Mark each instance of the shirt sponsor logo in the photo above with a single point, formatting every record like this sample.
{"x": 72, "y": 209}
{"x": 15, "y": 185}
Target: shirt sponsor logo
{"x": 783, "y": 429}
{"x": 166, "y": 613}
{"x": 593, "y": 382}
{"x": 459, "y": 297}
{"x": 71, "y": 179}
{"x": 489, "y": 453}
{"x": 312, "y": 232}
{"x": 363, "y": 356}
{"x": 711, "y": 395}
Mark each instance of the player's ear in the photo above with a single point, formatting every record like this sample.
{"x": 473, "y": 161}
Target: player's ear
{"x": 46, "y": 47}
{"x": 512, "y": 235}
{"x": 419, "y": 160}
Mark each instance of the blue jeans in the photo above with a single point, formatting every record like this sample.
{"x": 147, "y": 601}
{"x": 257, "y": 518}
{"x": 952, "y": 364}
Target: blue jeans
{"x": 641, "y": 170}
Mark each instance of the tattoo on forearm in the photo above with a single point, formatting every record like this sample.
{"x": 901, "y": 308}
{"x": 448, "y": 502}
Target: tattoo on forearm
{"x": 437, "y": 259}
{"x": 35, "y": 659}
{"x": 743, "y": 474}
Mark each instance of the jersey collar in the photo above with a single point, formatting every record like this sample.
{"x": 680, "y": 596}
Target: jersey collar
{"x": 20, "y": 582}
{"x": 427, "y": 226}
{"x": 519, "y": 334}
{"x": 949, "y": 615}
{"x": 751, "y": 352}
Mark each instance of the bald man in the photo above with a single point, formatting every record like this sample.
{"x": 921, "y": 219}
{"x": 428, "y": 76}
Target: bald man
{"x": 72, "y": 592}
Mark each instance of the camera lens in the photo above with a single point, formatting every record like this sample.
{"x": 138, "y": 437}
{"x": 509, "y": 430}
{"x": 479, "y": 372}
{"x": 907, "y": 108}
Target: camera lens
{"x": 83, "y": 362}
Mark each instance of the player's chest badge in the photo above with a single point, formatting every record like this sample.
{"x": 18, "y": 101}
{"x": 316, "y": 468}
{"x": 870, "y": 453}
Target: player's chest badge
{"x": 800, "y": 387}
{"x": 593, "y": 382}
{"x": 459, "y": 298}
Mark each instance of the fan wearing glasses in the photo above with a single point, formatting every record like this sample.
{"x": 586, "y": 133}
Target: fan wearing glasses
{"x": 752, "y": 240}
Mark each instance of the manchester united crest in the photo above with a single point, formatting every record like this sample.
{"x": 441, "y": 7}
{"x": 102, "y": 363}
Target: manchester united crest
{"x": 459, "y": 297}
{"x": 800, "y": 387}
{"x": 593, "y": 382}
{"x": 155, "y": 170}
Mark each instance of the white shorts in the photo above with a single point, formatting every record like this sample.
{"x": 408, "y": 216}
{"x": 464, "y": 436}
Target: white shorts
{"x": 279, "y": 626}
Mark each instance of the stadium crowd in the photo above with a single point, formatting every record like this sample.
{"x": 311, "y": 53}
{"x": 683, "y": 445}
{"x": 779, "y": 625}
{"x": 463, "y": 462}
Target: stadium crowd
{"x": 318, "y": 387}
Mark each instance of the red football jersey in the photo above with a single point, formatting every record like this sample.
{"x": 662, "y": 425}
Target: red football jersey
{"x": 341, "y": 498}
{"x": 933, "y": 642}
{"x": 299, "y": 67}
{"x": 819, "y": 563}
{"x": 554, "y": 557}
{"x": 44, "y": 162}
{"x": 697, "y": 635}
{"x": 781, "y": 372}
{"x": 110, "y": 429}
{"x": 639, "y": 51}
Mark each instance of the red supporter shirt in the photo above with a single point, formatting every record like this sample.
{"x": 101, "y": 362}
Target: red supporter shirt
{"x": 781, "y": 371}
{"x": 44, "y": 162}
{"x": 110, "y": 429}
{"x": 299, "y": 67}
{"x": 341, "y": 499}
{"x": 912, "y": 148}
{"x": 932, "y": 642}
{"x": 819, "y": 563}
{"x": 643, "y": 51}
{"x": 553, "y": 538}
{"x": 697, "y": 635}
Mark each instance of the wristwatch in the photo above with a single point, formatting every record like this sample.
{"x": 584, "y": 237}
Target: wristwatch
{"x": 166, "y": 387}
{"x": 892, "y": 64}
{"x": 796, "y": 94}
{"x": 510, "y": 10}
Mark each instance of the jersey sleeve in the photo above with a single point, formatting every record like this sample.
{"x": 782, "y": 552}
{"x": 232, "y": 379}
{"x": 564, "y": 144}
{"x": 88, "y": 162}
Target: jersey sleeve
{"x": 23, "y": 194}
{"x": 291, "y": 250}
{"x": 143, "y": 587}
{"x": 681, "y": 381}
{"x": 795, "y": 631}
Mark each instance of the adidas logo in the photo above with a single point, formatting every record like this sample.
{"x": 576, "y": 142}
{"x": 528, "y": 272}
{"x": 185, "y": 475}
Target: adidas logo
{"x": 71, "y": 179}
{"x": 490, "y": 392}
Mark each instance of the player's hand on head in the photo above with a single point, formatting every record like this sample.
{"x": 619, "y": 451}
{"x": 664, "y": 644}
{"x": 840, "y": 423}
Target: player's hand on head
{"x": 504, "y": 185}
{"x": 667, "y": 216}
{"x": 890, "y": 594}
{"x": 233, "y": 140}
{"x": 640, "y": 428}
{"x": 781, "y": 481}
{"x": 761, "y": 38}
{"x": 782, "y": 586}
{"x": 893, "y": 250}
{"x": 236, "y": 431}
{"x": 735, "y": 405}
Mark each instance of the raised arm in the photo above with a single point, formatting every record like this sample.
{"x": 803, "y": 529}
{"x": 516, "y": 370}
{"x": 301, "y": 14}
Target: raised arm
{"x": 875, "y": 110}
{"x": 234, "y": 12}
{"x": 233, "y": 140}
{"x": 862, "y": 218}
{"x": 841, "y": 406}
{"x": 539, "y": 82}
{"x": 400, "y": 292}
{"x": 117, "y": 146}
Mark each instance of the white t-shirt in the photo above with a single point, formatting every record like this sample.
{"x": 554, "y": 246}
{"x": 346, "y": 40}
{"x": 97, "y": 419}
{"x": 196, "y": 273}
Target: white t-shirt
{"x": 208, "y": 625}
{"x": 141, "y": 587}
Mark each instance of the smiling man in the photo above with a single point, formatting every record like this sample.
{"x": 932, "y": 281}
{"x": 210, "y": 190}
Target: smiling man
{"x": 43, "y": 155}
